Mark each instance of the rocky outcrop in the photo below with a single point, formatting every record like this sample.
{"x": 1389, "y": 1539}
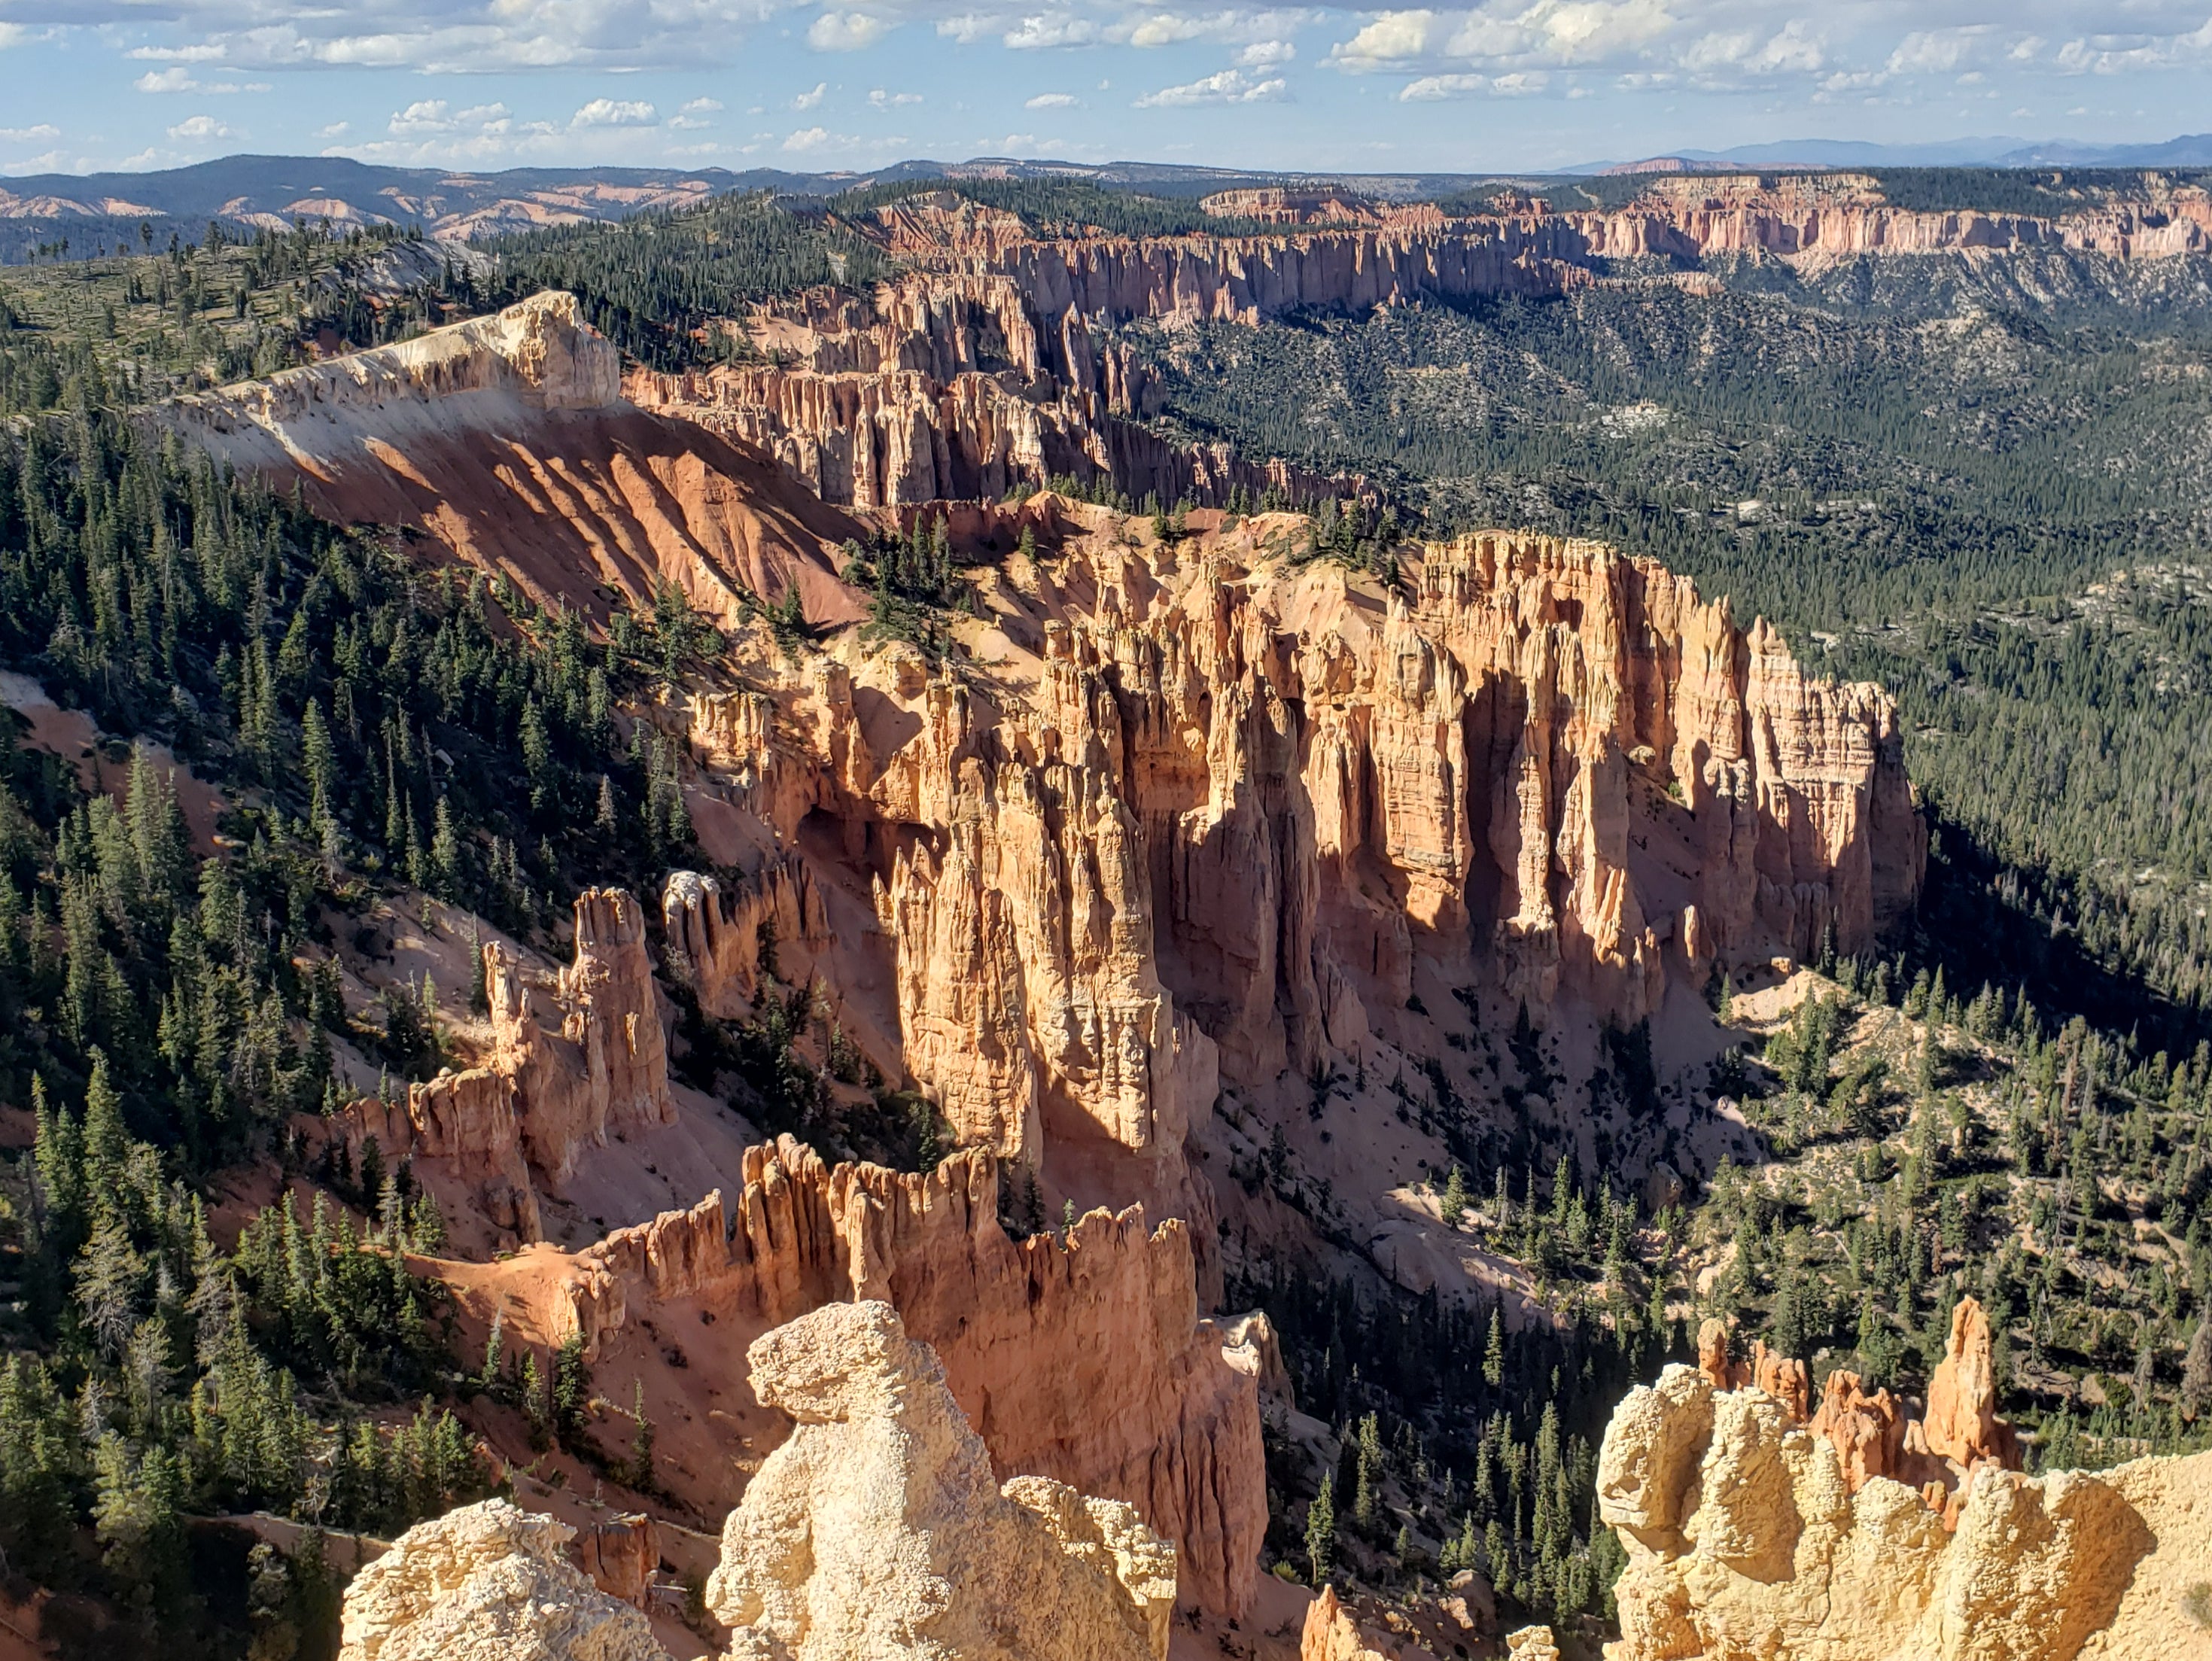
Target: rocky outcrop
{"x": 1961, "y": 1423}
{"x": 1331, "y": 1634}
{"x": 721, "y": 937}
{"x": 1872, "y": 1435}
{"x": 878, "y": 1530}
{"x": 460, "y": 1132}
{"x": 495, "y": 1135}
{"x": 620, "y": 1555}
{"x": 1144, "y": 1401}
{"x": 487, "y": 1583}
{"x": 607, "y": 1066}
{"x": 1746, "y": 1535}
{"x": 538, "y": 350}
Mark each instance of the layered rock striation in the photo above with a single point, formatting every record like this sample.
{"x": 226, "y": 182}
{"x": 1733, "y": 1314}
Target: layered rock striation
{"x": 1142, "y": 1400}
{"x": 878, "y": 1530}
{"x": 505, "y": 442}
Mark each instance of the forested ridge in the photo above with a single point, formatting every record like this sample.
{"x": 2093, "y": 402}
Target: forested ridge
{"x": 163, "y": 1011}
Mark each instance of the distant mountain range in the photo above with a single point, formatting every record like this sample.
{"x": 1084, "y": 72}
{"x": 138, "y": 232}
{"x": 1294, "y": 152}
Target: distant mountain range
{"x": 2191, "y": 151}
{"x": 99, "y": 211}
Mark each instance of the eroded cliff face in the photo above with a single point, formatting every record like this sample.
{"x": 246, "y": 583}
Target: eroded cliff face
{"x": 1750, "y": 1531}
{"x": 994, "y": 360}
{"x": 518, "y": 1125}
{"x": 1209, "y": 823}
{"x": 950, "y": 386}
{"x": 1079, "y": 1355}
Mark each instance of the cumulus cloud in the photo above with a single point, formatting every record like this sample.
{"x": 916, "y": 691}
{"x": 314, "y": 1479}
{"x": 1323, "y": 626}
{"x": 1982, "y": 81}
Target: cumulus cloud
{"x": 1051, "y": 101}
{"x": 703, "y": 106}
{"x": 1266, "y": 54}
{"x": 846, "y": 31}
{"x": 1228, "y": 87}
{"x": 883, "y": 100}
{"x": 614, "y": 112}
{"x": 200, "y": 130}
{"x": 807, "y": 138}
{"x": 692, "y": 115}
{"x": 807, "y": 100}
{"x": 38, "y": 135}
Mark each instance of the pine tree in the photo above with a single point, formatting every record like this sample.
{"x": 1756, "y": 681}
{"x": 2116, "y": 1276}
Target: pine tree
{"x": 1453, "y": 1206}
{"x": 1320, "y": 1532}
{"x": 1493, "y": 1353}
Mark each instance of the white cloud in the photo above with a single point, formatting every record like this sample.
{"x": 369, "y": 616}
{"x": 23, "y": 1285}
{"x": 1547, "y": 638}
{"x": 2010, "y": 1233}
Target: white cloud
{"x": 1266, "y": 54}
{"x": 426, "y": 115}
{"x": 703, "y": 106}
{"x": 336, "y": 130}
{"x": 807, "y": 100}
{"x": 846, "y": 31}
{"x": 890, "y": 100}
{"x": 1394, "y": 37}
{"x": 176, "y": 78}
{"x": 807, "y": 138}
{"x": 613, "y": 112}
{"x": 200, "y": 130}
{"x": 1435, "y": 89}
{"x": 1227, "y": 87}
{"x": 1052, "y": 100}
{"x": 1057, "y": 29}
{"x": 37, "y": 135}
{"x": 1937, "y": 52}
{"x": 2109, "y": 54}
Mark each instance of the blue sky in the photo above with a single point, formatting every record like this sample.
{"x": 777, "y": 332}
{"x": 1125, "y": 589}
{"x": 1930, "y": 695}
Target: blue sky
{"x": 90, "y": 84}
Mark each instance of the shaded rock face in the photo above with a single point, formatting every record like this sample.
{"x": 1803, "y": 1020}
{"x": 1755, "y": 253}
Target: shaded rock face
{"x": 607, "y": 1066}
{"x": 504, "y": 1131}
{"x": 878, "y": 1530}
{"x": 1750, "y": 1533}
{"x": 1081, "y": 1358}
{"x": 487, "y": 1583}
{"x": 1240, "y": 801}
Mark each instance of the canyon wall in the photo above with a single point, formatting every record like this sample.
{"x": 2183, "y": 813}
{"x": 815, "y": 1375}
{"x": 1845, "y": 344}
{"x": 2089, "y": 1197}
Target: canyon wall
{"x": 1208, "y": 832}
{"x": 950, "y": 388}
{"x": 1141, "y": 1399}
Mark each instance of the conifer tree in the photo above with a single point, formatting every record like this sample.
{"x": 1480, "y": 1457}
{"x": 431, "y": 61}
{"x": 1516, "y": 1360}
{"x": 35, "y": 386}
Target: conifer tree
{"x": 1321, "y": 1532}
